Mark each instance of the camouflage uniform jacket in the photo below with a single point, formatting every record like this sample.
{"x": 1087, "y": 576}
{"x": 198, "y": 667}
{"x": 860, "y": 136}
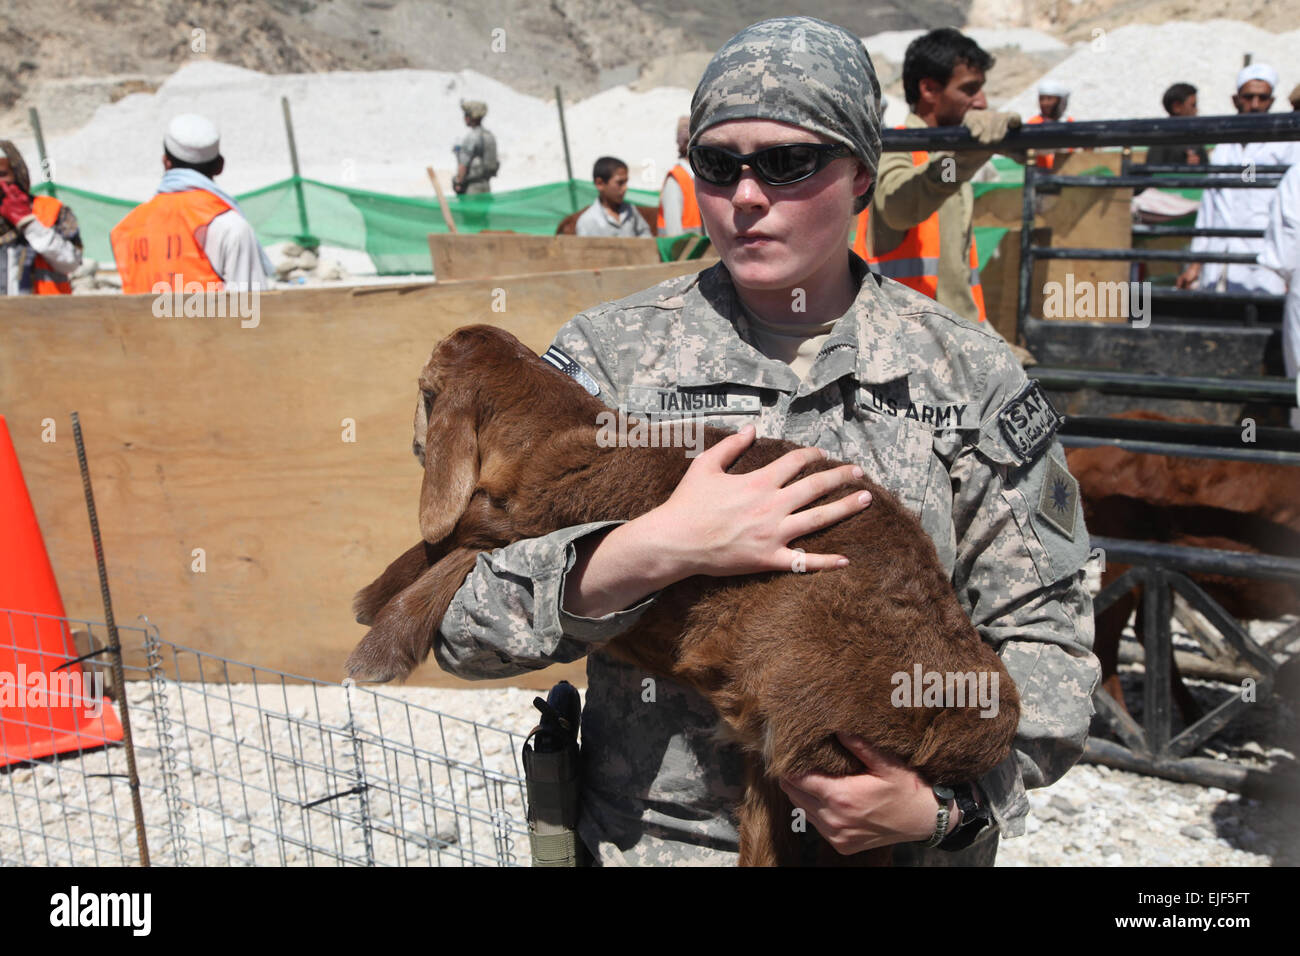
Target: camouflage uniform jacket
{"x": 931, "y": 406}
{"x": 474, "y": 148}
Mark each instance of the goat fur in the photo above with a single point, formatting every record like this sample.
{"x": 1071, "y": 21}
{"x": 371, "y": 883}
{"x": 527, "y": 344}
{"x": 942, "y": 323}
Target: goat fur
{"x": 509, "y": 449}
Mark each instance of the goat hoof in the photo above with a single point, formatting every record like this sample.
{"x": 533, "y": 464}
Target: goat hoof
{"x": 365, "y": 667}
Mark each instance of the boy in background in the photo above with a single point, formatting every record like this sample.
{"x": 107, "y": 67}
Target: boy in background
{"x": 609, "y": 215}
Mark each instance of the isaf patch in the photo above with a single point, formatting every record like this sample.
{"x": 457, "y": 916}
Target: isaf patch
{"x": 1028, "y": 422}
{"x": 1058, "y": 502}
{"x": 558, "y": 358}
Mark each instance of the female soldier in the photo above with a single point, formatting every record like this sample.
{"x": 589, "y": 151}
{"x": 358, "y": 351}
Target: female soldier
{"x": 791, "y": 337}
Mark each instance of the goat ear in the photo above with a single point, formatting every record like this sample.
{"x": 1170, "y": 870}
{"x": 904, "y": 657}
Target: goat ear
{"x": 451, "y": 466}
{"x": 421, "y": 426}
{"x": 405, "y": 630}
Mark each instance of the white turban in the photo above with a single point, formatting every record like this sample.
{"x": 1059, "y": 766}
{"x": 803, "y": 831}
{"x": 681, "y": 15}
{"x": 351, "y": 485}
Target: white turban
{"x": 192, "y": 139}
{"x": 1258, "y": 71}
{"x": 1053, "y": 88}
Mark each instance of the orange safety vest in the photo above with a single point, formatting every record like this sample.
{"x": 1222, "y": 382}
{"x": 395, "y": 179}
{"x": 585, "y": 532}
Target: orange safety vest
{"x": 915, "y": 261}
{"x": 155, "y": 242}
{"x": 690, "y": 208}
{"x": 1047, "y": 160}
{"x": 46, "y": 280}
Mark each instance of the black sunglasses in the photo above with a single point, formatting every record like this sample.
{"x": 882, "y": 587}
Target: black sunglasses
{"x": 775, "y": 165}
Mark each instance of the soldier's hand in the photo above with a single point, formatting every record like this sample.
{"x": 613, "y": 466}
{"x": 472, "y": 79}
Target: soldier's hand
{"x": 720, "y": 524}
{"x": 886, "y": 804}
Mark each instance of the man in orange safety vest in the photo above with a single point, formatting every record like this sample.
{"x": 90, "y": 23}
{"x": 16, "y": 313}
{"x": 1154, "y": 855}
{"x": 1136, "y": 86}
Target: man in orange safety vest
{"x": 40, "y": 242}
{"x": 918, "y": 228}
{"x": 191, "y": 232}
{"x": 678, "y": 210}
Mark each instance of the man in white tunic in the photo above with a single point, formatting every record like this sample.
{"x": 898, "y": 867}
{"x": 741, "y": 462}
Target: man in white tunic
{"x": 1281, "y": 253}
{"x": 1240, "y": 208}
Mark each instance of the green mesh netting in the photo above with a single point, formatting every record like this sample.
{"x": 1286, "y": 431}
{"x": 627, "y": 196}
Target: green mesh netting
{"x": 393, "y": 230}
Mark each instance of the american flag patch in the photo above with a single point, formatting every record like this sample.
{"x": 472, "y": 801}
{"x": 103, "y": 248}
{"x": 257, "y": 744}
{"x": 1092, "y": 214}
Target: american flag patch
{"x": 556, "y": 357}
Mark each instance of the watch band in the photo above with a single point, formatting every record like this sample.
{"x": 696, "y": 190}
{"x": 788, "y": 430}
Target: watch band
{"x": 974, "y": 819}
{"x": 943, "y": 795}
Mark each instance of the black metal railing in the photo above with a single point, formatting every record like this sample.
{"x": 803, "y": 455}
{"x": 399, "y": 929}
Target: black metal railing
{"x": 1246, "y": 128}
{"x": 1161, "y": 571}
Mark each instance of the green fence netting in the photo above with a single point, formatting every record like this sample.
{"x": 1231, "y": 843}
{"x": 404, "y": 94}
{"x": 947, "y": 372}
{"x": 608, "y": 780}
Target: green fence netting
{"x": 391, "y": 229}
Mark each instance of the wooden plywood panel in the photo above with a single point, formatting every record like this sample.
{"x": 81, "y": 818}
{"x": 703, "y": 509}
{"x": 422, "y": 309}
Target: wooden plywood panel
{"x": 1078, "y": 217}
{"x": 1000, "y": 280}
{"x": 1091, "y": 219}
{"x": 483, "y": 256}
{"x": 202, "y": 434}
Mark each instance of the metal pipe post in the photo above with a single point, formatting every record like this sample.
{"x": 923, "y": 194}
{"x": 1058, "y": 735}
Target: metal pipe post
{"x": 568, "y": 163}
{"x": 46, "y": 174}
{"x": 114, "y": 645}
{"x": 1027, "y": 203}
{"x": 306, "y": 239}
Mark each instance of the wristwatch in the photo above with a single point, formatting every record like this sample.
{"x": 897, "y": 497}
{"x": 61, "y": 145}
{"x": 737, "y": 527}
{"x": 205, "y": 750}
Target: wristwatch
{"x": 944, "y": 795}
{"x": 974, "y": 818}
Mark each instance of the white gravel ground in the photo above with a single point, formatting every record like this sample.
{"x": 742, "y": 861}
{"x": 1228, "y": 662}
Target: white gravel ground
{"x": 249, "y": 758}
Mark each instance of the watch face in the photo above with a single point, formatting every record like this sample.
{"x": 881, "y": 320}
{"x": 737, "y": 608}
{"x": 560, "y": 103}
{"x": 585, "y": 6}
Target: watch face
{"x": 942, "y": 792}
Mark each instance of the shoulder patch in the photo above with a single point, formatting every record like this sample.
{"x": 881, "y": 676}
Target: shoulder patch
{"x": 1058, "y": 501}
{"x": 1028, "y": 422}
{"x": 558, "y": 358}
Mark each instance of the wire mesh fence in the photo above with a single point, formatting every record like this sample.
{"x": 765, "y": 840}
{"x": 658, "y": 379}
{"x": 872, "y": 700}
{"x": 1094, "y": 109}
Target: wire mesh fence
{"x": 238, "y": 765}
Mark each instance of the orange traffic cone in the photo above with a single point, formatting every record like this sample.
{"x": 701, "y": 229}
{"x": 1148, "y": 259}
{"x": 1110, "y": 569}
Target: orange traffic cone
{"x": 44, "y": 709}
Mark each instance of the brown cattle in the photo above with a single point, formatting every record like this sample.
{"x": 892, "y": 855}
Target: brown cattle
{"x": 1195, "y": 502}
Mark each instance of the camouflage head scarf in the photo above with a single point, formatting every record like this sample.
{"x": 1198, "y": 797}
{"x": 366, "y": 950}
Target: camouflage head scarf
{"x": 796, "y": 70}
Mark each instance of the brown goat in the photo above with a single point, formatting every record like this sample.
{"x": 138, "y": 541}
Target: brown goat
{"x": 510, "y": 451}
{"x": 1195, "y": 502}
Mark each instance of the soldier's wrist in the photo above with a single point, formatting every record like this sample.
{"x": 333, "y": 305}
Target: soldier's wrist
{"x": 664, "y": 559}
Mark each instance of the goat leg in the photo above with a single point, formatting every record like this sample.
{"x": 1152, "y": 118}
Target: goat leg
{"x": 397, "y": 577}
{"x": 403, "y": 632}
{"x": 768, "y": 835}
{"x": 760, "y": 824}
